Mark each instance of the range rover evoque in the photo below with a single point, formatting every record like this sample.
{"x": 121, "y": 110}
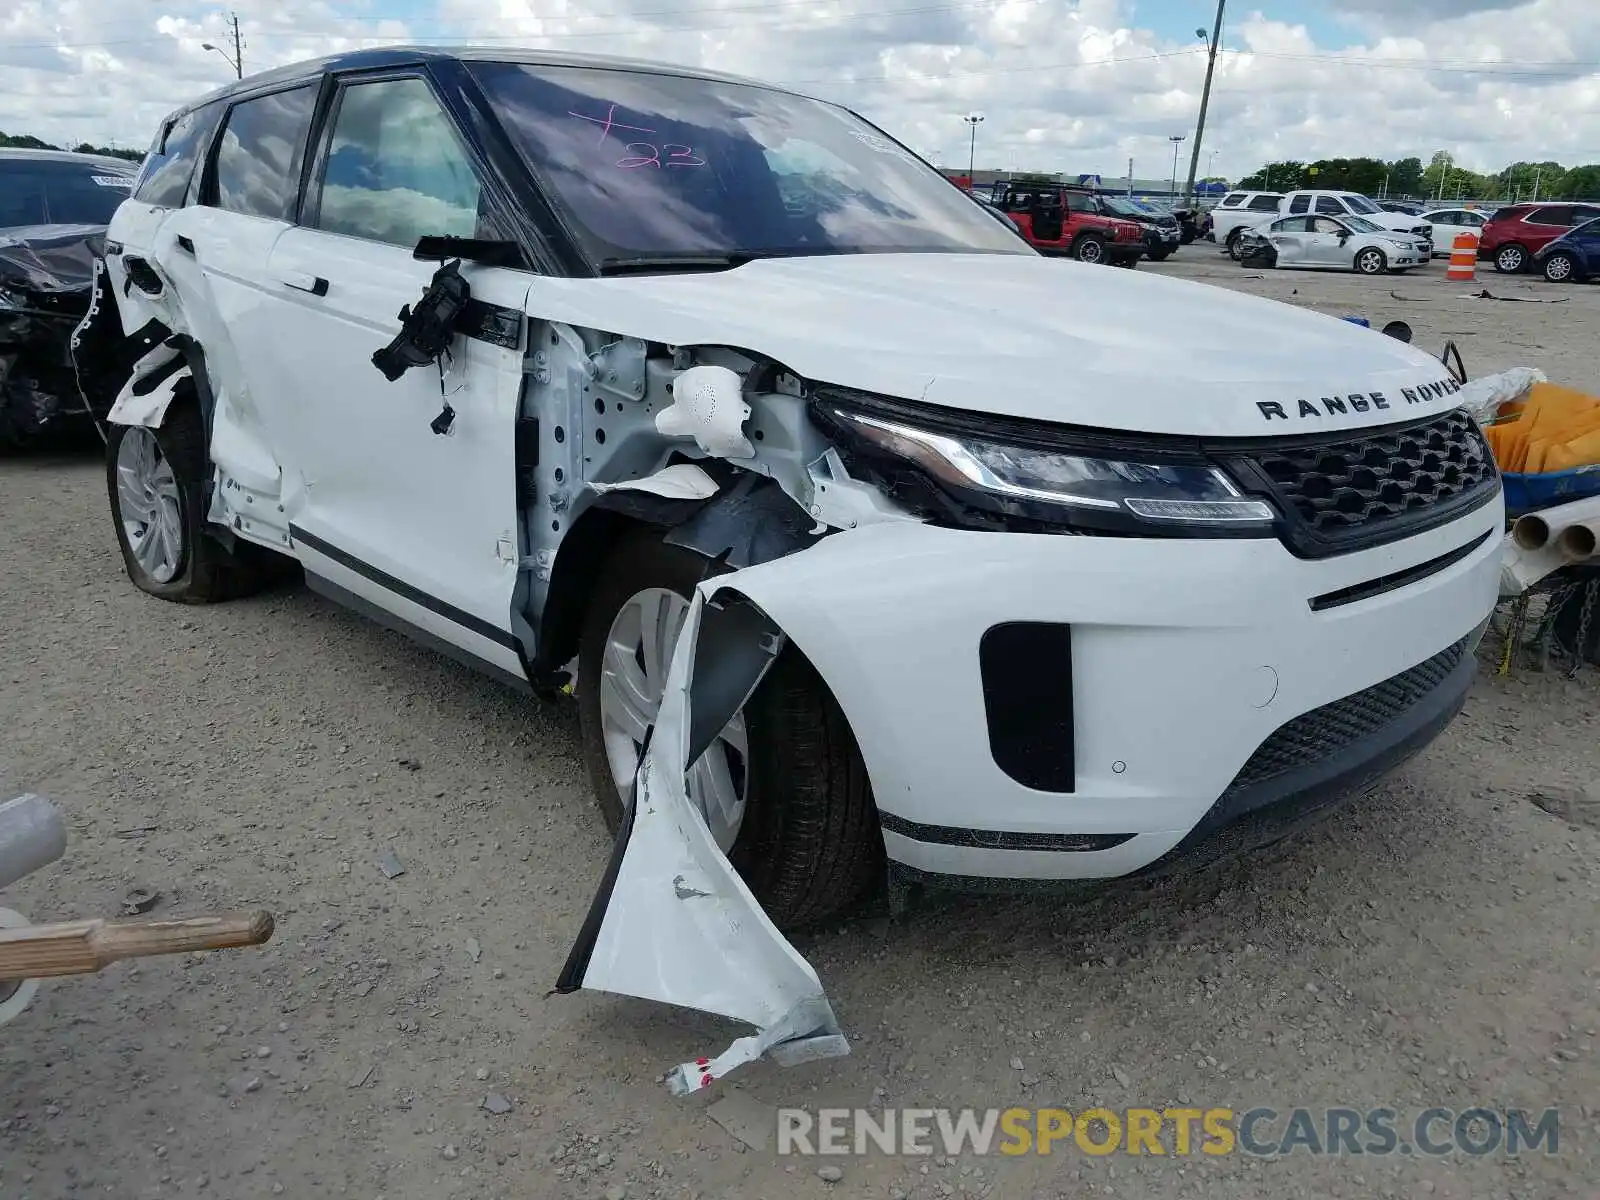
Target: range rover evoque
{"x": 873, "y": 542}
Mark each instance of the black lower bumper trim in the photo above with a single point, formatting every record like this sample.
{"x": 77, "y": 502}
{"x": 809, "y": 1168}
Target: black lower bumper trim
{"x": 999, "y": 839}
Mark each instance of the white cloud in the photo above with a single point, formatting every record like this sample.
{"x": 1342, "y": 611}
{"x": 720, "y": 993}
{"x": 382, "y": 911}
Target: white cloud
{"x": 1065, "y": 84}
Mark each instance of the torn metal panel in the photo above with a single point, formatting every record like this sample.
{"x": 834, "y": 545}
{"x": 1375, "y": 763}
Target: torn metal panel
{"x": 150, "y": 390}
{"x": 680, "y": 481}
{"x": 673, "y": 921}
{"x": 46, "y": 282}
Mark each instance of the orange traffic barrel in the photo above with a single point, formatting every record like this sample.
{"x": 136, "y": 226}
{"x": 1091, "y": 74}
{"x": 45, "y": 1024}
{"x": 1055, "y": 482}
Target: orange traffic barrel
{"x": 1464, "y": 259}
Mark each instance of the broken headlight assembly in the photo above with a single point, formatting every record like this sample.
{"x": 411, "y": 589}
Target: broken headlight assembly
{"x": 970, "y": 470}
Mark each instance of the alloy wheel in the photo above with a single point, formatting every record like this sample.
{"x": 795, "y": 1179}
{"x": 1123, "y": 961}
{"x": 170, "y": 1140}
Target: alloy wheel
{"x": 149, "y": 506}
{"x": 633, "y": 673}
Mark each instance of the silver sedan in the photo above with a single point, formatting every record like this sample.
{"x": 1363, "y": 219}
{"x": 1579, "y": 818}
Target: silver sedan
{"x": 1329, "y": 243}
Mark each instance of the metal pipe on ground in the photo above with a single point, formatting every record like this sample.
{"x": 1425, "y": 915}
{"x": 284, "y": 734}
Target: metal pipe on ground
{"x": 1530, "y": 531}
{"x": 1577, "y": 542}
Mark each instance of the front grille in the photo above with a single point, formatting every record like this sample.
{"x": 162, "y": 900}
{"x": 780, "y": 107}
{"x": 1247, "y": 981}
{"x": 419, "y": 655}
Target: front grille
{"x": 1324, "y": 732}
{"x": 1378, "y": 486}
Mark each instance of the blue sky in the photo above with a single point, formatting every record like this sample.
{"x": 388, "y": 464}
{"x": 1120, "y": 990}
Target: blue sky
{"x": 1179, "y": 18}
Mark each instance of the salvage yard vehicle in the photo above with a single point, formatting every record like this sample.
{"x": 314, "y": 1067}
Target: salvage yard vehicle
{"x": 867, "y": 575}
{"x": 1162, "y": 233}
{"x": 1071, "y": 221}
{"x": 1353, "y": 204}
{"x": 1331, "y": 244}
{"x": 1448, "y": 223}
{"x": 1514, "y": 234}
{"x": 1239, "y": 211}
{"x": 1574, "y": 257}
{"x": 54, "y": 206}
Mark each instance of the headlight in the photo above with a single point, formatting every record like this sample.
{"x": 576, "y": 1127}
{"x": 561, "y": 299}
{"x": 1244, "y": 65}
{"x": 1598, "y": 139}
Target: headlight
{"x": 10, "y": 300}
{"x": 1087, "y": 491}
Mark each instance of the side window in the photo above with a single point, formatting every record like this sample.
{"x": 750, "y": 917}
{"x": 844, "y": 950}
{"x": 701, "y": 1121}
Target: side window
{"x": 396, "y": 170}
{"x": 258, "y": 158}
{"x": 1232, "y": 200}
{"x": 1327, "y": 204}
{"x": 1300, "y": 204}
{"x": 1580, "y": 215}
{"x": 1265, "y": 204}
{"x": 1326, "y": 225}
{"x": 1078, "y": 202}
{"x": 165, "y": 177}
{"x": 1550, "y": 216}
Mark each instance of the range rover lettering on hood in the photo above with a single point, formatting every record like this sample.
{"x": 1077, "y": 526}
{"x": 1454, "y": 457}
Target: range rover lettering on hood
{"x": 1332, "y": 406}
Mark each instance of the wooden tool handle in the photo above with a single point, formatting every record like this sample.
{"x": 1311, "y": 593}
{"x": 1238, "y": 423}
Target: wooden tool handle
{"x": 83, "y": 947}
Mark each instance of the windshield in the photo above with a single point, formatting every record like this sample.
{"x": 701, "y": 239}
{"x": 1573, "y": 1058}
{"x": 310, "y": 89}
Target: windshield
{"x": 644, "y": 166}
{"x": 44, "y": 192}
{"x": 1361, "y": 204}
{"x": 1129, "y": 208}
{"x": 1362, "y": 225}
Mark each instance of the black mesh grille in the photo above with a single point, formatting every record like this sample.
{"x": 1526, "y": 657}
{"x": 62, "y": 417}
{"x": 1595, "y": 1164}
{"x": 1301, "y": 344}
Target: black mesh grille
{"x": 1323, "y": 732}
{"x": 1380, "y": 486}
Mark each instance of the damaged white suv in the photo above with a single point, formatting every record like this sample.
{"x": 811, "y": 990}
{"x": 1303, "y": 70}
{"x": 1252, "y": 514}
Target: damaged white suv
{"x": 883, "y": 545}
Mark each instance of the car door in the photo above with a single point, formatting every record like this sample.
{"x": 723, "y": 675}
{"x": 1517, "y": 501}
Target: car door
{"x": 410, "y": 485}
{"x": 1288, "y": 238}
{"x": 1446, "y": 225}
{"x": 1587, "y": 238}
{"x": 1327, "y": 244}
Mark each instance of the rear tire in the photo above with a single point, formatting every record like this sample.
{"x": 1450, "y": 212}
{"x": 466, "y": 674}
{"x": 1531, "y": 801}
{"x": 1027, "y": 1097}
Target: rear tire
{"x": 1510, "y": 260}
{"x": 808, "y": 842}
{"x": 156, "y": 481}
{"x": 1160, "y": 255}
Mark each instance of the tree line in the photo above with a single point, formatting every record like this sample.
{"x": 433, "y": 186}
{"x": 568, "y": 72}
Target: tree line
{"x": 1411, "y": 178}
{"x": 29, "y": 142}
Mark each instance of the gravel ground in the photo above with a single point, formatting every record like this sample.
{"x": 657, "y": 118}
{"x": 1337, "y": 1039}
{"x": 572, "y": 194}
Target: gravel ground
{"x": 1432, "y": 944}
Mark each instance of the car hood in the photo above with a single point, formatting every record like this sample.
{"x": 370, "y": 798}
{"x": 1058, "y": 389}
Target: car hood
{"x": 1029, "y": 337}
{"x": 50, "y": 260}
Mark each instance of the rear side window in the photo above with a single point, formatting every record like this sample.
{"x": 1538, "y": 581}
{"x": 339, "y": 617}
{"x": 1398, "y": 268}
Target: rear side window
{"x": 41, "y": 192}
{"x": 1267, "y": 204}
{"x": 396, "y": 170}
{"x": 1300, "y": 204}
{"x": 164, "y": 180}
{"x": 1327, "y": 204}
{"x": 1549, "y": 216}
{"x": 258, "y": 158}
{"x": 1232, "y": 201}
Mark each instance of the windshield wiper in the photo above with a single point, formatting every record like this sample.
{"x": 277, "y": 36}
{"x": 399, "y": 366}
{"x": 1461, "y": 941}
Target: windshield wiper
{"x": 646, "y": 263}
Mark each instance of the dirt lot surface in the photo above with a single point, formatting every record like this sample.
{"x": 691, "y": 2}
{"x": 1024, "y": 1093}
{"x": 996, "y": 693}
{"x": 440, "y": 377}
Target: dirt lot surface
{"x": 1433, "y": 944}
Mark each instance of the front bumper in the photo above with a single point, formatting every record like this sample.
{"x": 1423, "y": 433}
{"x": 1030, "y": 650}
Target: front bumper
{"x": 1187, "y": 661}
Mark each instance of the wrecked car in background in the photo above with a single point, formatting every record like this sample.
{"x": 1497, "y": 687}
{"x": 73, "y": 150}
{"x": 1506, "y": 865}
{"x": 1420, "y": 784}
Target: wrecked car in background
{"x": 699, "y": 384}
{"x": 54, "y": 207}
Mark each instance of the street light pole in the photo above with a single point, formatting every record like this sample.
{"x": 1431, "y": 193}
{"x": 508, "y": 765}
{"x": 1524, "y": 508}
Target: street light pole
{"x": 1177, "y": 140}
{"x": 974, "y": 120}
{"x": 1205, "y": 95}
{"x": 237, "y": 60}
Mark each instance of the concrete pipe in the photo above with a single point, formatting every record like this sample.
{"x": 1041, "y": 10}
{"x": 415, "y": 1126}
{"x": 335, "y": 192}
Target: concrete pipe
{"x": 1577, "y": 542}
{"x": 1530, "y": 532}
{"x": 32, "y": 835}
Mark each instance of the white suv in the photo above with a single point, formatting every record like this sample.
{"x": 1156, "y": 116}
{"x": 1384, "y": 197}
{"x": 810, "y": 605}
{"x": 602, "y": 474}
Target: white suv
{"x": 702, "y": 384}
{"x": 1239, "y": 211}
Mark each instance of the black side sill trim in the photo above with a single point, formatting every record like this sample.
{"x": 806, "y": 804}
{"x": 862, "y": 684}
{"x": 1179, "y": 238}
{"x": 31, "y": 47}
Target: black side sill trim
{"x": 400, "y": 587}
{"x": 1389, "y": 583}
{"x": 997, "y": 839}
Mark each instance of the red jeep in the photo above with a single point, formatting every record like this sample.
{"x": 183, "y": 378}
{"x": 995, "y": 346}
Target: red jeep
{"x": 1059, "y": 219}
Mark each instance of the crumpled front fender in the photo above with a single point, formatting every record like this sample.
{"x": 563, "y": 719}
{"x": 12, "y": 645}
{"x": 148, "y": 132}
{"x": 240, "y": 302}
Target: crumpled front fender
{"x": 672, "y": 920}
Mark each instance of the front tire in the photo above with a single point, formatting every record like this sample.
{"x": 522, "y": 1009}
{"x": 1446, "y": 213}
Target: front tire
{"x": 1090, "y": 248}
{"x": 1372, "y": 262}
{"x": 804, "y": 833}
{"x": 1510, "y": 260}
{"x": 156, "y": 479}
{"x": 1560, "y": 268}
{"x": 1160, "y": 255}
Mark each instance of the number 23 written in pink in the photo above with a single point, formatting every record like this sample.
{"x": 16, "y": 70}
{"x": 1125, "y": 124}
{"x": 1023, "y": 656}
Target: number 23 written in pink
{"x": 677, "y": 156}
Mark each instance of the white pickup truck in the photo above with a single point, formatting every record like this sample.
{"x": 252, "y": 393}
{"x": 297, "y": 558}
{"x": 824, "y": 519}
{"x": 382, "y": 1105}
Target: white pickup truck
{"x": 1327, "y": 203}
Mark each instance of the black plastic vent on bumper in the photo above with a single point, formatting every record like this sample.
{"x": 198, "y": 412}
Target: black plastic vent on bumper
{"x": 1356, "y": 492}
{"x": 1027, "y": 699}
{"x": 1324, "y": 732}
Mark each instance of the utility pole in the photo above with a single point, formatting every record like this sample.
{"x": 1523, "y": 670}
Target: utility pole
{"x": 1177, "y": 141}
{"x": 974, "y": 120}
{"x": 1130, "y": 177}
{"x": 236, "y": 60}
{"x": 1205, "y": 96}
